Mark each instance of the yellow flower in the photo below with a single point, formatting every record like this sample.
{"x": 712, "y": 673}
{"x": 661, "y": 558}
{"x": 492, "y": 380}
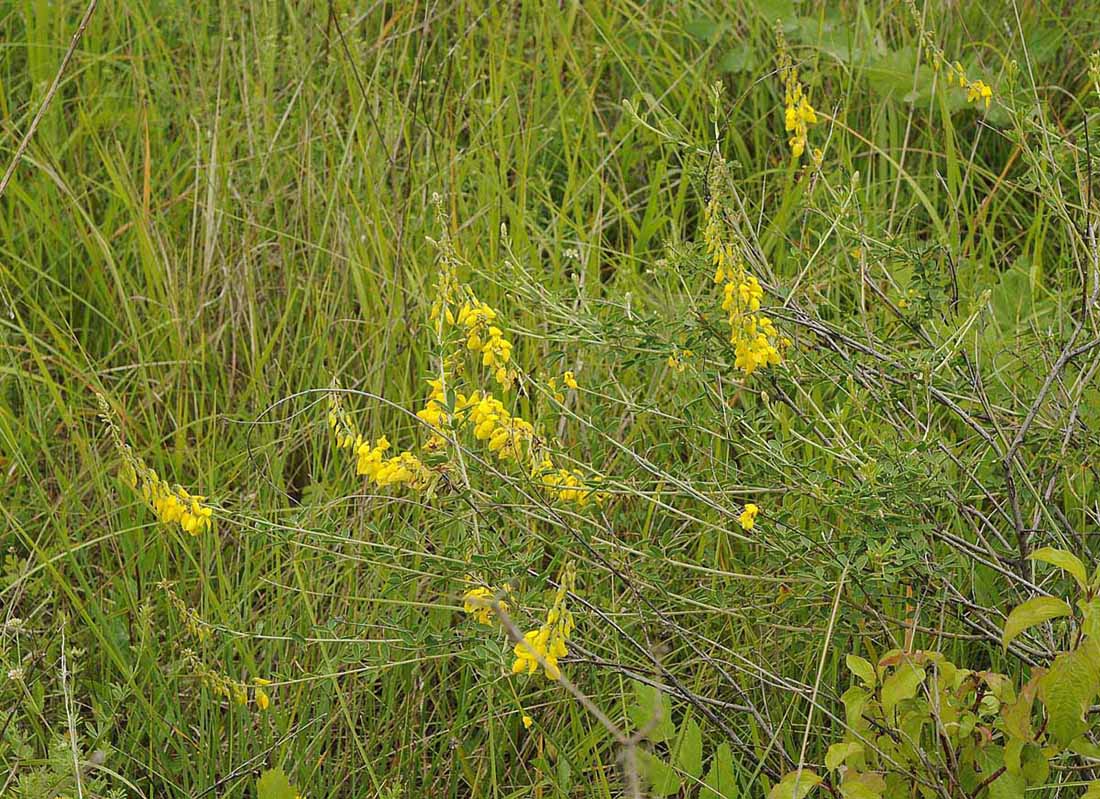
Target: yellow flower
{"x": 477, "y": 602}
{"x": 527, "y": 721}
{"x": 753, "y": 335}
{"x": 748, "y": 516}
{"x": 570, "y": 380}
{"x": 263, "y": 701}
{"x": 546, "y": 645}
{"x": 979, "y": 90}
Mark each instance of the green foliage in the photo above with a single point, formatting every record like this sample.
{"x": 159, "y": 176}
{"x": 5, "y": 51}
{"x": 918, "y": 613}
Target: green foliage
{"x": 273, "y": 784}
{"x": 227, "y": 206}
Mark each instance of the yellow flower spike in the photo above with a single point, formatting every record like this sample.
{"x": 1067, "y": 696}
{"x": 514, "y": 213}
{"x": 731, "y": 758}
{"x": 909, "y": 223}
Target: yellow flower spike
{"x": 747, "y": 518}
{"x": 546, "y": 645}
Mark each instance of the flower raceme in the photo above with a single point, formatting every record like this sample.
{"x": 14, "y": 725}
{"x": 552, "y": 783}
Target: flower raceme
{"x": 478, "y": 602}
{"x": 547, "y": 645}
{"x": 172, "y": 504}
{"x": 798, "y": 113}
{"x": 747, "y": 519}
{"x": 403, "y": 469}
{"x": 486, "y": 338}
{"x": 755, "y": 340}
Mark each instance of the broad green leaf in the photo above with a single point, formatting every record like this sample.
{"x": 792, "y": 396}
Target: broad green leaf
{"x": 862, "y": 786}
{"x": 795, "y": 785}
{"x": 838, "y": 753}
{"x": 862, "y": 668}
{"x": 1090, "y": 617}
{"x": 1035, "y": 765}
{"x": 720, "y": 782}
{"x": 661, "y": 778}
{"x": 899, "y": 686}
{"x": 1014, "y": 751}
{"x": 741, "y": 58}
{"x": 1092, "y": 791}
{"x": 1017, "y": 715}
{"x": 855, "y": 699}
{"x": 1034, "y": 611}
{"x": 273, "y": 784}
{"x": 1084, "y": 747}
{"x": 1066, "y": 561}
{"x": 652, "y": 712}
{"x": 1067, "y": 691}
{"x": 689, "y": 749}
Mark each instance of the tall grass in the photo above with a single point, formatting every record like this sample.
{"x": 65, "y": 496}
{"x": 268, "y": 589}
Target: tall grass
{"x": 227, "y": 206}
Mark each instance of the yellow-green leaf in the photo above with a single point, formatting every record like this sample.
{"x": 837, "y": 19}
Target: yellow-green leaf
{"x": 838, "y": 753}
{"x": 795, "y": 785}
{"x": 1067, "y": 691}
{"x": 720, "y": 782}
{"x": 273, "y": 784}
{"x": 899, "y": 686}
{"x": 1066, "y": 561}
{"x": 862, "y": 668}
{"x": 1034, "y": 611}
{"x": 659, "y": 775}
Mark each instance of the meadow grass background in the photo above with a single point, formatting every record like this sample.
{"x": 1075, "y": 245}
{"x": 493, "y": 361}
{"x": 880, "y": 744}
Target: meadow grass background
{"x": 227, "y": 205}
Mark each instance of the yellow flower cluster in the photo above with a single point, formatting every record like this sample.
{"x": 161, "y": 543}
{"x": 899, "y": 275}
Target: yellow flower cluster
{"x": 478, "y": 602}
{"x": 567, "y": 485}
{"x": 435, "y": 414}
{"x": 173, "y": 504}
{"x": 977, "y": 90}
{"x": 753, "y": 335}
{"x": 798, "y": 113}
{"x": 747, "y": 518}
{"x": 547, "y": 645}
{"x": 508, "y": 436}
{"x": 227, "y": 687}
{"x": 483, "y": 336}
{"x": 678, "y": 360}
{"x": 402, "y": 469}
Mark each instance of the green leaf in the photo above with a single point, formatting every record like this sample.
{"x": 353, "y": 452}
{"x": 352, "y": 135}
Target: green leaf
{"x": 1017, "y": 715}
{"x": 1034, "y": 611}
{"x": 1067, "y": 691}
{"x": 1035, "y": 766}
{"x": 704, "y": 28}
{"x": 741, "y": 58}
{"x": 1066, "y": 561}
{"x": 1092, "y": 791}
{"x": 795, "y": 785}
{"x": 1084, "y": 747}
{"x": 862, "y": 668}
{"x": 855, "y": 699}
{"x": 273, "y": 784}
{"x": 840, "y": 752}
{"x": 720, "y": 782}
{"x": 652, "y": 712}
{"x": 862, "y": 786}
{"x": 661, "y": 778}
{"x": 1090, "y": 617}
{"x": 899, "y": 686}
{"x": 689, "y": 749}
